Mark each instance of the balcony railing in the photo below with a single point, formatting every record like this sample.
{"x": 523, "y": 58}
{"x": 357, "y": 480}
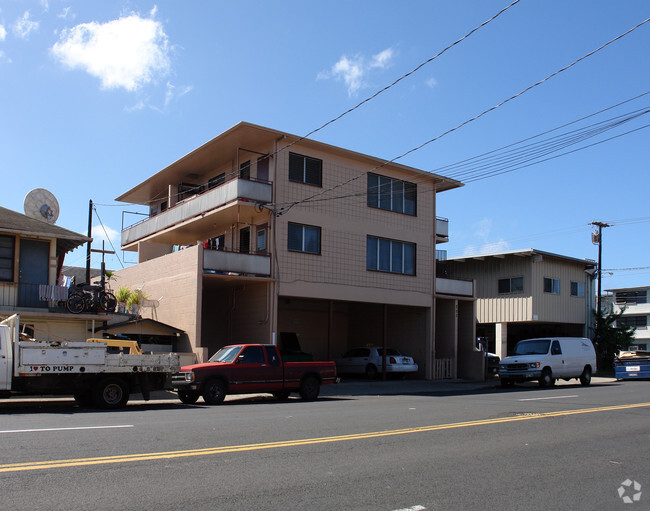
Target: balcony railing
{"x": 442, "y": 228}
{"x": 454, "y": 287}
{"x": 229, "y": 263}
{"x": 15, "y": 296}
{"x": 236, "y": 189}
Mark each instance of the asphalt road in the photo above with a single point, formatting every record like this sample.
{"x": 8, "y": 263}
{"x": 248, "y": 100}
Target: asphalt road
{"x": 386, "y": 446}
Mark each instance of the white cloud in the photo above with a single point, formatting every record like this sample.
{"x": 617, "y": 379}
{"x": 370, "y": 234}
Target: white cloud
{"x": 353, "y": 70}
{"x": 128, "y": 52}
{"x": 174, "y": 92}
{"x": 3, "y": 33}
{"x": 105, "y": 233}
{"x": 431, "y": 82}
{"x": 483, "y": 231}
{"x": 24, "y": 26}
{"x": 65, "y": 13}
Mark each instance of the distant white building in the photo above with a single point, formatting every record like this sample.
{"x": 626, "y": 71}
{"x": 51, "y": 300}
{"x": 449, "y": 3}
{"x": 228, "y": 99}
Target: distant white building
{"x": 633, "y": 301}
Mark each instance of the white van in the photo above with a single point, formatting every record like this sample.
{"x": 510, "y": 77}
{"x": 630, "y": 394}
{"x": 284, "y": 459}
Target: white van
{"x": 548, "y": 359}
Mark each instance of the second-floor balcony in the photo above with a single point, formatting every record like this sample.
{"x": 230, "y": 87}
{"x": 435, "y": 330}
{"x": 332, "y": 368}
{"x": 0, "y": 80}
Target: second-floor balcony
{"x": 188, "y": 220}
{"x": 228, "y": 263}
{"x": 442, "y": 230}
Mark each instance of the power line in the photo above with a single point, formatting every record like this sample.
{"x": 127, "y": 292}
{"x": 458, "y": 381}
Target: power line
{"x": 289, "y": 205}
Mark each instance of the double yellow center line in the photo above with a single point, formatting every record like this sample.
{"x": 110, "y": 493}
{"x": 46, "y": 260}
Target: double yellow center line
{"x": 127, "y": 458}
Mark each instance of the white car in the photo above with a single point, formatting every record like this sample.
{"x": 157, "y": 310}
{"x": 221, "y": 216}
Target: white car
{"x": 368, "y": 361}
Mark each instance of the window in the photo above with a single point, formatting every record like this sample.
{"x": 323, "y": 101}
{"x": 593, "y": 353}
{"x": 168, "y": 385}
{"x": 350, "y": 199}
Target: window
{"x": 556, "y": 349}
{"x": 245, "y": 170}
{"x": 552, "y": 286}
{"x": 578, "y": 289}
{"x": 633, "y": 321}
{"x": 213, "y": 182}
{"x": 511, "y": 285}
{"x": 390, "y": 256}
{"x": 304, "y": 238}
{"x": 261, "y": 240}
{"x": 303, "y": 169}
{"x": 7, "y": 244}
{"x": 252, "y": 355}
{"x": 631, "y": 297}
{"x": 391, "y": 194}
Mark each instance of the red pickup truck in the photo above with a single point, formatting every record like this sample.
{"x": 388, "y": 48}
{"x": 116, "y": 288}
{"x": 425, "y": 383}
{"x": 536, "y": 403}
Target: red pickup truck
{"x": 251, "y": 368}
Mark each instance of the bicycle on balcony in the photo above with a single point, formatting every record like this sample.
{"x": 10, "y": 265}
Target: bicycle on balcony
{"x": 88, "y": 298}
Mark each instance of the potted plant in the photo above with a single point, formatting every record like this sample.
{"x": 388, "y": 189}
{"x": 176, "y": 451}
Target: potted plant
{"x": 122, "y": 296}
{"x": 135, "y": 301}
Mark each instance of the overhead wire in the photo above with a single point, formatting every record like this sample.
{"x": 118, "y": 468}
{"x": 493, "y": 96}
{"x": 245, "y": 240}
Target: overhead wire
{"x": 289, "y": 205}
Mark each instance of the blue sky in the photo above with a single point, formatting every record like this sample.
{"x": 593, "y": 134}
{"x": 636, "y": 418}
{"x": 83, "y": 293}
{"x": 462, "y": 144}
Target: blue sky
{"x": 97, "y": 96}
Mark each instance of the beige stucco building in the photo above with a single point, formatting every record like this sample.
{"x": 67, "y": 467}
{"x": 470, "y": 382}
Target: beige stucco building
{"x": 259, "y": 233}
{"x": 528, "y": 293}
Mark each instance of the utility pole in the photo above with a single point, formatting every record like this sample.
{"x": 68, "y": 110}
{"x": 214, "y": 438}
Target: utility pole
{"x": 597, "y": 239}
{"x": 90, "y": 234}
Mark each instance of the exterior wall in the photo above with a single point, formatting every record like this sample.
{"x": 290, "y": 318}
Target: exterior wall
{"x": 55, "y": 329}
{"x": 533, "y": 304}
{"x": 339, "y": 272}
{"x": 174, "y": 277}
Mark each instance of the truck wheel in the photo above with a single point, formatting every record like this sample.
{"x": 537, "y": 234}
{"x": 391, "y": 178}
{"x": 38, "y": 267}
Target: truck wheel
{"x": 188, "y": 397}
{"x": 585, "y": 377}
{"x": 546, "y": 380}
{"x": 214, "y": 392}
{"x": 371, "y": 372}
{"x": 309, "y": 388}
{"x": 111, "y": 393}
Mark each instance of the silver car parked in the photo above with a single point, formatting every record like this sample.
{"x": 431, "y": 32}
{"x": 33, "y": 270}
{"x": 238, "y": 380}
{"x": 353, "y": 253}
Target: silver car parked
{"x": 368, "y": 360}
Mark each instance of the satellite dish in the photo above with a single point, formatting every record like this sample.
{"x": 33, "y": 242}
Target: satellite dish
{"x": 41, "y": 204}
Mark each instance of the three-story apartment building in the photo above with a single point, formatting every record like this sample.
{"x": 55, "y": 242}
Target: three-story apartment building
{"x": 635, "y": 307}
{"x": 260, "y": 235}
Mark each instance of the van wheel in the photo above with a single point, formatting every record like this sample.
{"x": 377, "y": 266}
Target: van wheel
{"x": 585, "y": 377}
{"x": 546, "y": 380}
{"x": 188, "y": 397}
{"x": 506, "y": 383}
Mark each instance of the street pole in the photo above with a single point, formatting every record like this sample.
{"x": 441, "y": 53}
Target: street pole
{"x": 598, "y": 238}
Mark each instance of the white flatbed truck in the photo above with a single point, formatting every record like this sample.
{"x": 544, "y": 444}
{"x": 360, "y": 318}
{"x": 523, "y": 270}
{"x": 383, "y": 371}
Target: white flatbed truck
{"x": 85, "y": 370}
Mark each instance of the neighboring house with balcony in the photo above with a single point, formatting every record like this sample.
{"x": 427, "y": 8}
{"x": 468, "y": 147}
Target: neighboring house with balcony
{"x": 528, "y": 293}
{"x": 31, "y": 258}
{"x": 634, "y": 304}
{"x": 259, "y": 235}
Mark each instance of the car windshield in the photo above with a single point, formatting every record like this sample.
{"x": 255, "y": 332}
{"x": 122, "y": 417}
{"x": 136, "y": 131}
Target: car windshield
{"x": 534, "y": 347}
{"x": 227, "y": 354}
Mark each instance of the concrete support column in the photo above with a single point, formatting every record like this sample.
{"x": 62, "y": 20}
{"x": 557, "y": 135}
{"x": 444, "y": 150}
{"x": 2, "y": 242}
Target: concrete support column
{"x": 501, "y": 339}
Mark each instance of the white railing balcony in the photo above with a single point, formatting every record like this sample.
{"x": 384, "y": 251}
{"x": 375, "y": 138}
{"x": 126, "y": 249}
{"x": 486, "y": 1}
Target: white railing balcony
{"x": 222, "y": 262}
{"x": 454, "y": 287}
{"x": 193, "y": 207}
{"x": 442, "y": 229}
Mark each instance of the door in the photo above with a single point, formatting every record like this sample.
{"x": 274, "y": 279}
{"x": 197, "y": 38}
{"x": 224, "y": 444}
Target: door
{"x": 254, "y": 373}
{"x": 558, "y": 360}
{"x": 33, "y": 270}
{"x": 245, "y": 240}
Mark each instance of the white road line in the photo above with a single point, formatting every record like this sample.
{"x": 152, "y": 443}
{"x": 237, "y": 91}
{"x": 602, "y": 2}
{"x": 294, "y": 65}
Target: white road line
{"x": 64, "y": 429}
{"x": 543, "y": 398}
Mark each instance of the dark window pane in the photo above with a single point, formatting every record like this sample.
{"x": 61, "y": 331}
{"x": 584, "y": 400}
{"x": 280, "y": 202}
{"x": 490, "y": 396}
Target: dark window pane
{"x": 296, "y": 167}
{"x": 398, "y": 196}
{"x": 517, "y": 285}
{"x": 313, "y": 171}
{"x": 295, "y": 237}
{"x": 409, "y": 258}
{"x": 384, "y": 255}
{"x": 504, "y": 285}
{"x": 373, "y": 190}
{"x": 396, "y": 257}
{"x": 371, "y": 253}
{"x": 410, "y": 198}
{"x": 385, "y": 191}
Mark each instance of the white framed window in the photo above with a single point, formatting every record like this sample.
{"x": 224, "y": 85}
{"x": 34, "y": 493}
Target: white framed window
{"x": 511, "y": 285}
{"x": 391, "y": 256}
{"x": 305, "y": 169}
{"x": 551, "y": 286}
{"x": 578, "y": 289}
{"x": 391, "y": 194}
{"x": 303, "y": 238}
